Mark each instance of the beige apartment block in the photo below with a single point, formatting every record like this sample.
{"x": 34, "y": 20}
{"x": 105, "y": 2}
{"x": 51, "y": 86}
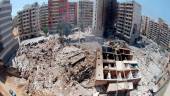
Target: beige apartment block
{"x": 145, "y": 25}
{"x": 163, "y": 36}
{"x": 128, "y": 23}
{"x": 29, "y": 22}
{"x": 158, "y": 31}
{"x": 116, "y": 69}
{"x": 153, "y": 31}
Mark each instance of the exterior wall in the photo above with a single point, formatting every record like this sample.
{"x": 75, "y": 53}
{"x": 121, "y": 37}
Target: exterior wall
{"x": 98, "y": 20}
{"x": 85, "y": 13}
{"x": 57, "y": 13}
{"x": 8, "y": 45}
{"x": 145, "y": 25}
{"x": 164, "y": 34}
{"x": 44, "y": 16}
{"x": 153, "y": 30}
{"x": 159, "y": 32}
{"x": 73, "y": 13}
{"x": 103, "y": 17}
{"x": 128, "y": 23}
{"x": 29, "y": 22}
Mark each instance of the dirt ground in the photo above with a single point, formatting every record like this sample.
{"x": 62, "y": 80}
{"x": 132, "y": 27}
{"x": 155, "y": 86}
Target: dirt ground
{"x": 8, "y": 82}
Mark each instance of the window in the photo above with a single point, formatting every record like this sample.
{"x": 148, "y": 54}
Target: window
{"x": 1, "y": 47}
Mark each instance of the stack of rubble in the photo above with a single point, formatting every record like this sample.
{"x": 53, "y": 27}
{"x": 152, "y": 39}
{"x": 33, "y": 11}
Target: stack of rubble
{"x": 53, "y": 70}
{"x": 152, "y": 61}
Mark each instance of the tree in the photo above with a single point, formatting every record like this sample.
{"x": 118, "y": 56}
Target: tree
{"x": 63, "y": 28}
{"x": 45, "y": 30}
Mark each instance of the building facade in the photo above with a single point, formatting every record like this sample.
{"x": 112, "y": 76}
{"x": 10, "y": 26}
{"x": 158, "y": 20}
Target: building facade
{"x": 8, "y": 45}
{"x": 104, "y": 17}
{"x": 158, "y": 31}
{"x": 128, "y": 23}
{"x": 73, "y": 13}
{"x": 153, "y": 31}
{"x": 145, "y": 25}
{"x": 163, "y": 36}
{"x": 29, "y": 22}
{"x": 57, "y": 13}
{"x": 85, "y": 13}
{"x": 44, "y": 16}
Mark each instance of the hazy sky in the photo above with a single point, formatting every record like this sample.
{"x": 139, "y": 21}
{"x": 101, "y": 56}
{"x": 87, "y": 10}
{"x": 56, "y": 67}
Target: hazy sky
{"x": 152, "y": 8}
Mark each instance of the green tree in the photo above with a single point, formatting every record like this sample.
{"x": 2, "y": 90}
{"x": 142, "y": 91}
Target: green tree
{"x": 45, "y": 30}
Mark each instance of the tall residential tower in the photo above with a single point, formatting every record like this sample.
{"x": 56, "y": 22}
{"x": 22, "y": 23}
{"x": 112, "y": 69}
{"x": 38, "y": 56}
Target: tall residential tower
{"x": 104, "y": 17}
{"x": 85, "y": 13}
{"x": 29, "y": 22}
{"x": 128, "y": 23}
{"x": 57, "y": 13}
{"x": 73, "y": 13}
{"x": 8, "y": 45}
{"x": 44, "y": 16}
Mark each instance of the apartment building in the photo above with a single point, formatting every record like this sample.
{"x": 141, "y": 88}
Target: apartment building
{"x": 145, "y": 25}
{"x": 8, "y": 46}
{"x": 29, "y": 22}
{"x": 116, "y": 69}
{"x": 153, "y": 31}
{"x": 73, "y": 13}
{"x": 57, "y": 13}
{"x": 85, "y": 13}
{"x": 158, "y": 31}
{"x": 104, "y": 17}
{"x": 44, "y": 16}
{"x": 163, "y": 36}
{"x": 128, "y": 21}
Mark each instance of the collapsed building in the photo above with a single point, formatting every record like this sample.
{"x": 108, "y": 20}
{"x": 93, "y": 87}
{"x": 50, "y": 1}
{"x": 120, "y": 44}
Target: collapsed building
{"x": 116, "y": 70}
{"x": 51, "y": 69}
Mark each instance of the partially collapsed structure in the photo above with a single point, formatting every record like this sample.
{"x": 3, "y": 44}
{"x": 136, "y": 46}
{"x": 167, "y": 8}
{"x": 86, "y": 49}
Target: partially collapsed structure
{"x": 116, "y": 70}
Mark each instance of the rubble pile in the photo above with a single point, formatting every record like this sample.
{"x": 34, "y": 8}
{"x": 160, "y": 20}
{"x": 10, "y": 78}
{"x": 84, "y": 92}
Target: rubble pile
{"x": 52, "y": 69}
{"x": 151, "y": 61}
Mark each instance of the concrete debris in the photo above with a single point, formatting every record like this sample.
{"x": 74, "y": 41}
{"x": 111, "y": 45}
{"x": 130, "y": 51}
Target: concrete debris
{"x": 152, "y": 60}
{"x": 53, "y": 69}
